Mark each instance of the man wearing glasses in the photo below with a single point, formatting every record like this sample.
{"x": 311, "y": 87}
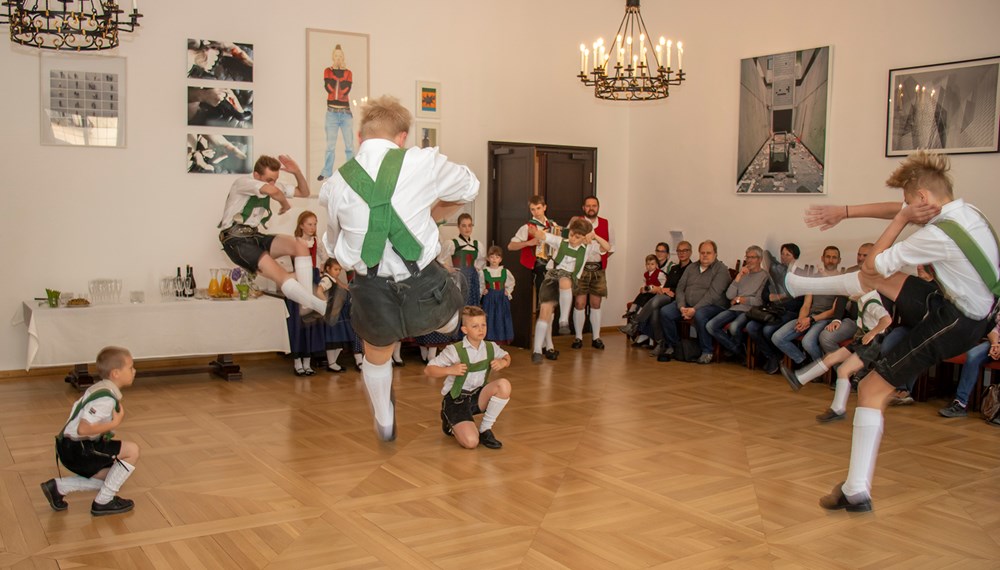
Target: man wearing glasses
{"x": 744, "y": 292}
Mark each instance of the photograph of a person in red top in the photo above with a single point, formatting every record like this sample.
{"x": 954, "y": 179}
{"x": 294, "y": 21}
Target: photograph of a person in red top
{"x": 337, "y": 80}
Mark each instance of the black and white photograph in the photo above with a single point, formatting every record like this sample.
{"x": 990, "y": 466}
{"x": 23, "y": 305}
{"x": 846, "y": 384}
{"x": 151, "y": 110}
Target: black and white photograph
{"x": 948, "y": 107}
{"x": 82, "y": 101}
{"x": 783, "y": 118}
{"x": 426, "y": 134}
{"x": 219, "y": 154}
{"x": 220, "y": 107}
{"x": 220, "y": 60}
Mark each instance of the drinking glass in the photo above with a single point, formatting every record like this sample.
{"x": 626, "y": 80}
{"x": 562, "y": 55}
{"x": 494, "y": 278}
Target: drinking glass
{"x": 137, "y": 297}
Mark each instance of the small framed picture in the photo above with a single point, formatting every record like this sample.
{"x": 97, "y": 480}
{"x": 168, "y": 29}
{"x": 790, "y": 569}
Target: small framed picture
{"x": 82, "y": 100}
{"x": 209, "y": 153}
{"x": 220, "y": 60}
{"x": 428, "y": 100}
{"x": 951, "y": 108}
{"x": 427, "y": 134}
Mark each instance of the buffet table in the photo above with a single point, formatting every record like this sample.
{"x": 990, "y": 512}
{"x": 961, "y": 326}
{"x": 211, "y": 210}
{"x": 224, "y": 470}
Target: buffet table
{"x": 173, "y": 328}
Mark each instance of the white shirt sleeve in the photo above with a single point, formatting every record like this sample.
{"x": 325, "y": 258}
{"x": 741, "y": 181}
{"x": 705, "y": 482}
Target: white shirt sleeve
{"x": 480, "y": 261}
{"x": 99, "y": 411}
{"x": 926, "y": 245}
{"x": 455, "y": 182}
{"x": 509, "y": 285}
{"x": 521, "y": 235}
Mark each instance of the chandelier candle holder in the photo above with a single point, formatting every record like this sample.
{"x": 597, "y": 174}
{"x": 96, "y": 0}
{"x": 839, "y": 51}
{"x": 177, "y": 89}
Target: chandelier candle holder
{"x": 632, "y": 68}
{"x": 70, "y": 25}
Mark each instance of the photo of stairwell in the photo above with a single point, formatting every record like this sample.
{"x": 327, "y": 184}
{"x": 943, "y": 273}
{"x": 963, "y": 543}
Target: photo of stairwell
{"x": 783, "y": 114}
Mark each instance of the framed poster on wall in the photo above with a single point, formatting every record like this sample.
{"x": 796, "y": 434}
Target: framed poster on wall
{"x": 337, "y": 82}
{"x": 82, "y": 100}
{"x": 947, "y": 107}
{"x": 428, "y": 100}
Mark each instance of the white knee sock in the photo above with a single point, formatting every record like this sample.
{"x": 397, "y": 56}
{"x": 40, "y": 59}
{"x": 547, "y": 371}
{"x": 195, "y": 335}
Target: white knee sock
{"x": 304, "y": 271}
{"x": 541, "y": 327}
{"x": 298, "y": 364}
{"x": 378, "y": 381}
{"x": 332, "y": 355}
{"x": 423, "y": 353}
{"x": 840, "y": 394}
{"x": 296, "y": 292}
{"x": 493, "y": 410}
{"x": 119, "y": 472}
{"x": 595, "y": 323}
{"x": 579, "y": 317}
{"x": 864, "y": 450}
{"x": 67, "y": 485}
{"x": 844, "y": 284}
{"x": 358, "y": 358}
{"x": 451, "y": 325}
{"x": 395, "y": 351}
{"x": 565, "y": 303}
{"x": 307, "y": 363}
{"x": 811, "y": 372}
{"x": 548, "y": 335}
{"x": 432, "y": 352}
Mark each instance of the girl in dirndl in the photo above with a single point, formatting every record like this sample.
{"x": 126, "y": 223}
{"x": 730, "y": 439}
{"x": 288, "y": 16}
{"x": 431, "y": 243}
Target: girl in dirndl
{"x": 497, "y": 289}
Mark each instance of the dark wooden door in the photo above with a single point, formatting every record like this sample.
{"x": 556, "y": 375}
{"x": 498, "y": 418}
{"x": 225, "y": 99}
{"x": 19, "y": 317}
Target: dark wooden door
{"x": 564, "y": 176}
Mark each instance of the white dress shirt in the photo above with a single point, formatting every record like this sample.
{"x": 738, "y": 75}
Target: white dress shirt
{"x": 243, "y": 189}
{"x": 425, "y": 177}
{"x": 956, "y": 275}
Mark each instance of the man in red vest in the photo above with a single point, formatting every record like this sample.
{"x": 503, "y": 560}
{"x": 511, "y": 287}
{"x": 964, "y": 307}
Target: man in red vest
{"x": 592, "y": 282}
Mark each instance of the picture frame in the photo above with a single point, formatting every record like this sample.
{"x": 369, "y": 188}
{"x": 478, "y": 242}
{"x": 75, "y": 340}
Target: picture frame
{"x": 219, "y": 107}
{"x": 217, "y": 60}
{"x": 428, "y": 103}
{"x": 426, "y": 134}
{"x": 331, "y": 131}
{"x": 783, "y": 118}
{"x": 214, "y": 153}
{"x": 951, "y": 108}
{"x": 82, "y": 100}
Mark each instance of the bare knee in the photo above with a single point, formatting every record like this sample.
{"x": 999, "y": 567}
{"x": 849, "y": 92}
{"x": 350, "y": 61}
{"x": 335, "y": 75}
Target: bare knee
{"x": 502, "y": 388}
{"x": 595, "y": 302}
{"x": 468, "y": 441}
{"x": 129, "y": 452}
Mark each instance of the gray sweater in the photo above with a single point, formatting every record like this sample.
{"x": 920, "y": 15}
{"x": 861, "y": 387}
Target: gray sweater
{"x": 702, "y": 288}
{"x": 750, "y": 288}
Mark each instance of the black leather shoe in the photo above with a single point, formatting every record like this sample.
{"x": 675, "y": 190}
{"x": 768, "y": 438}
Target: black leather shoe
{"x": 551, "y": 354}
{"x": 793, "y": 382}
{"x": 665, "y": 357}
{"x": 776, "y": 272}
{"x": 398, "y": 363}
{"x": 115, "y": 506}
{"x": 489, "y": 440}
{"x": 536, "y": 357}
{"x": 55, "y": 498}
{"x": 445, "y": 424}
{"x": 577, "y": 343}
{"x": 836, "y": 501}
{"x": 598, "y": 344}
{"x": 829, "y": 416}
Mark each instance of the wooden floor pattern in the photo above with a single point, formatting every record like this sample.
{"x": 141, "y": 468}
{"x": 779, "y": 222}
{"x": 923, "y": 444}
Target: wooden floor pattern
{"x": 610, "y": 460}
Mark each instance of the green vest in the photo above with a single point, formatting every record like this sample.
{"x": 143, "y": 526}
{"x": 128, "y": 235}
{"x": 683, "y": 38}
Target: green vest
{"x": 384, "y": 224}
{"x": 973, "y": 252}
{"x": 463, "y": 355}
{"x": 578, "y": 254}
{"x": 489, "y": 280}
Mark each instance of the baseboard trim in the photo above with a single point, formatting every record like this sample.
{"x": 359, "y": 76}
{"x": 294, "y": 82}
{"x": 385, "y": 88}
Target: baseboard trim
{"x": 150, "y": 364}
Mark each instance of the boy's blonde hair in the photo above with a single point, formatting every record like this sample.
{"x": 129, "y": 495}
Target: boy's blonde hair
{"x": 922, "y": 169}
{"x": 471, "y": 311}
{"x": 111, "y": 358}
{"x": 384, "y": 117}
{"x": 580, "y": 226}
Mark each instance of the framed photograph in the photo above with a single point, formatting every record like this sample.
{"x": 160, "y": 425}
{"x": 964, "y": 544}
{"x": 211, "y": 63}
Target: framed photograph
{"x": 948, "y": 107}
{"x": 82, "y": 100}
{"x": 426, "y": 134}
{"x": 209, "y": 153}
{"x": 428, "y": 100}
{"x": 220, "y": 60}
{"x": 783, "y": 116}
{"x": 337, "y": 82}
{"x": 220, "y": 107}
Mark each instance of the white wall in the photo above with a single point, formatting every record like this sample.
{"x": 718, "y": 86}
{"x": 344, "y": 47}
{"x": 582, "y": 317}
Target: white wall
{"x": 683, "y": 150}
{"x": 507, "y": 71}
{"x": 76, "y": 214}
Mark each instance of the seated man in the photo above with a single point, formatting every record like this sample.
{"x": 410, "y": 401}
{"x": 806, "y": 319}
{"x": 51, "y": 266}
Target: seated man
{"x": 815, "y": 314}
{"x": 761, "y": 332}
{"x": 744, "y": 292}
{"x": 700, "y": 296}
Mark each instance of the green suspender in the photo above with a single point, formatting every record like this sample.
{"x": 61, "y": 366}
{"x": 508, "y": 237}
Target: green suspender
{"x": 579, "y": 255}
{"x": 868, "y": 303}
{"x": 463, "y": 355}
{"x": 257, "y": 202}
{"x": 79, "y": 407}
{"x": 384, "y": 224}
{"x": 973, "y": 252}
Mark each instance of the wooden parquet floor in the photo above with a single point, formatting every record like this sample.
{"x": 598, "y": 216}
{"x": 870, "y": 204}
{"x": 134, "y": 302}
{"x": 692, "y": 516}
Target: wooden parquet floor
{"x": 610, "y": 460}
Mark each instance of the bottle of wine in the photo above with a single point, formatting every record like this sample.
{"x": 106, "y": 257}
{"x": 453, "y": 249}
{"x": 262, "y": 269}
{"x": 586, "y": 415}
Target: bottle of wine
{"x": 178, "y": 284}
{"x": 188, "y": 283}
{"x": 194, "y": 284}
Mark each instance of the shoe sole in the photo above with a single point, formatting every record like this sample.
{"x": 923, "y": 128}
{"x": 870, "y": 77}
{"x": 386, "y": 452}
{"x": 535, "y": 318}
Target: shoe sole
{"x": 52, "y": 502}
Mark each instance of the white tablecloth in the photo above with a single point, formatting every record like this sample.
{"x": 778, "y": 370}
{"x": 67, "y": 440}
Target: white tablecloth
{"x": 187, "y": 327}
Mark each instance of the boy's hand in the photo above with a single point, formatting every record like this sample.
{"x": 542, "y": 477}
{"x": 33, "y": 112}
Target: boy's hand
{"x": 457, "y": 369}
{"x": 919, "y": 214}
{"x": 498, "y": 364}
{"x": 288, "y": 164}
